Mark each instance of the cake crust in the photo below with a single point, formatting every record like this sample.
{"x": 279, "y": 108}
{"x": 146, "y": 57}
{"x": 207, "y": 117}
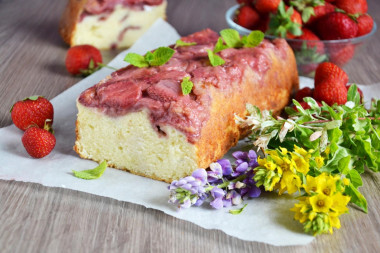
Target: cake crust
{"x": 69, "y": 19}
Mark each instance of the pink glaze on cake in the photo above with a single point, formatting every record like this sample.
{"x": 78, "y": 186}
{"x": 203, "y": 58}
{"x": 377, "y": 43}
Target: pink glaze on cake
{"x": 100, "y": 6}
{"x": 158, "y": 89}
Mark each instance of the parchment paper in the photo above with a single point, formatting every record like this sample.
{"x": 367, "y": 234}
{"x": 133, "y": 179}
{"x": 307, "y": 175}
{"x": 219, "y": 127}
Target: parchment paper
{"x": 266, "y": 219}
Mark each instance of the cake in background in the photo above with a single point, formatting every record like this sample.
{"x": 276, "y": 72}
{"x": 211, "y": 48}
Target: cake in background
{"x": 109, "y": 24}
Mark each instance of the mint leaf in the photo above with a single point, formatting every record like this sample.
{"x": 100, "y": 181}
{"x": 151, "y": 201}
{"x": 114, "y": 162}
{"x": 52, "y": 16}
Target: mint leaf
{"x": 186, "y": 85}
{"x": 215, "y": 60}
{"x": 253, "y": 39}
{"x": 180, "y": 43}
{"x": 237, "y": 211}
{"x": 160, "y": 56}
{"x": 231, "y": 37}
{"x": 136, "y": 60}
{"x": 92, "y": 174}
{"x": 219, "y": 46}
{"x": 356, "y": 197}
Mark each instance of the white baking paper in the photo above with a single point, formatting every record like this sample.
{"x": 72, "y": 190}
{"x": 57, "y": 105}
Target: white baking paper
{"x": 266, "y": 219}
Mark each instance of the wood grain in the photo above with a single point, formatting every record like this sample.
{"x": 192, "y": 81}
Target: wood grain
{"x": 40, "y": 219}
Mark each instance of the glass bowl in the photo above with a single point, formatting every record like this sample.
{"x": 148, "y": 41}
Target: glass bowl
{"x": 312, "y": 52}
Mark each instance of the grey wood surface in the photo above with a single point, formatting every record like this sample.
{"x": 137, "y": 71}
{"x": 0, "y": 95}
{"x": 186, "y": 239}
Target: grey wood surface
{"x": 34, "y": 218}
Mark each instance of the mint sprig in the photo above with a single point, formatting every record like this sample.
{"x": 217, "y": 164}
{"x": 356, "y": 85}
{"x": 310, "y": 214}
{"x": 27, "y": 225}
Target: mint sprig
{"x": 159, "y": 57}
{"x": 230, "y": 38}
{"x": 186, "y": 85}
{"x": 93, "y": 173}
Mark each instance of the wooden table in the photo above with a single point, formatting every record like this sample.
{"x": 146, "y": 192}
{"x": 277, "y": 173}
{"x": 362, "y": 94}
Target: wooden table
{"x": 34, "y": 218}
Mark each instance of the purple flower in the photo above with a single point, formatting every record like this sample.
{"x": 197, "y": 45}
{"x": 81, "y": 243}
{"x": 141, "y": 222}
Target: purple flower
{"x": 215, "y": 174}
{"x": 217, "y": 203}
{"x": 217, "y": 192}
{"x": 201, "y": 175}
{"x": 226, "y": 166}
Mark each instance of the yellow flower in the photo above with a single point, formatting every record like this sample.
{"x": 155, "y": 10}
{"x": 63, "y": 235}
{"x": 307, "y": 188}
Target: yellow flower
{"x": 302, "y": 152}
{"x": 312, "y": 184}
{"x": 273, "y": 183}
{"x": 327, "y": 150}
{"x": 301, "y": 209}
{"x": 269, "y": 165}
{"x": 321, "y": 203}
{"x": 319, "y": 160}
{"x": 301, "y": 165}
{"x": 334, "y": 222}
{"x": 290, "y": 182}
{"x": 346, "y": 181}
{"x": 339, "y": 203}
{"x": 284, "y": 151}
{"x": 327, "y": 185}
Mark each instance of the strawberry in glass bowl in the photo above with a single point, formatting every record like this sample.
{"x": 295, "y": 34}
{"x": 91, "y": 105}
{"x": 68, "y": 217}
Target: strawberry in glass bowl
{"x": 317, "y": 30}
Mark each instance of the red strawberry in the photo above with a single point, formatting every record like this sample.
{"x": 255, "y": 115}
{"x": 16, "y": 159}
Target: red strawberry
{"x": 330, "y": 71}
{"x": 340, "y": 55}
{"x": 331, "y": 92}
{"x": 302, "y": 93}
{"x": 365, "y": 24}
{"x": 309, "y": 35}
{"x": 352, "y": 6}
{"x": 38, "y": 142}
{"x": 336, "y": 25}
{"x": 296, "y": 19}
{"x": 32, "y": 111}
{"x": 265, "y": 6}
{"x": 319, "y": 12}
{"x": 247, "y": 17}
{"x": 83, "y": 59}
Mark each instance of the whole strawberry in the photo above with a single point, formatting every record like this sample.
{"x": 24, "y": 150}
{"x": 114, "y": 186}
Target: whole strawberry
{"x": 331, "y": 92}
{"x": 32, "y": 111}
{"x": 309, "y": 35}
{"x": 352, "y": 6}
{"x": 247, "y": 17}
{"x": 319, "y": 12}
{"x": 340, "y": 54}
{"x": 330, "y": 84}
{"x": 83, "y": 60}
{"x": 365, "y": 24}
{"x": 329, "y": 71}
{"x": 38, "y": 142}
{"x": 265, "y": 6}
{"x": 336, "y": 26}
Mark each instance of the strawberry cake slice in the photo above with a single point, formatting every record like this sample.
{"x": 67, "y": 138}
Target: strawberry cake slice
{"x": 139, "y": 120}
{"x": 109, "y": 24}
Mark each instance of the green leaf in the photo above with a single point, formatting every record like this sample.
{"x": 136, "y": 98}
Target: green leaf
{"x": 180, "y": 43}
{"x": 136, "y": 60}
{"x": 92, "y": 174}
{"x": 219, "y": 46}
{"x": 355, "y": 178}
{"x": 215, "y": 59}
{"x": 253, "y": 39}
{"x": 237, "y": 211}
{"x": 344, "y": 165}
{"x": 231, "y": 37}
{"x": 356, "y": 197}
{"x": 333, "y": 124}
{"x": 186, "y": 85}
{"x": 353, "y": 94}
{"x": 160, "y": 56}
